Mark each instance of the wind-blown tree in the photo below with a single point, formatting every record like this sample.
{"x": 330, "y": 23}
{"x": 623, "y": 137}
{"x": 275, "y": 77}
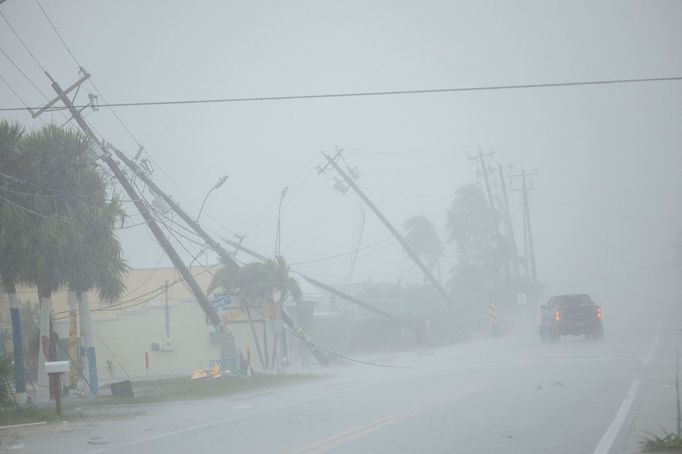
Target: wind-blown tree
{"x": 422, "y": 237}
{"x": 95, "y": 261}
{"x": 257, "y": 285}
{"x": 73, "y": 240}
{"x": 478, "y": 274}
{"x": 15, "y": 245}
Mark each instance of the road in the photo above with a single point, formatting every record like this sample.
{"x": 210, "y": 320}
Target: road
{"x": 511, "y": 394}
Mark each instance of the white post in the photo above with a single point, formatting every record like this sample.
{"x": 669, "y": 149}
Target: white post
{"x": 87, "y": 334}
{"x": 73, "y": 339}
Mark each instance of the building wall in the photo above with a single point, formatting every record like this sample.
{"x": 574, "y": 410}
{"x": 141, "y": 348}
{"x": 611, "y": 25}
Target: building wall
{"x": 123, "y": 338}
{"x": 126, "y": 330}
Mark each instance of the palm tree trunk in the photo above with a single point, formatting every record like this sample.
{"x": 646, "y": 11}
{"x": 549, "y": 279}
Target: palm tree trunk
{"x": 255, "y": 336}
{"x": 18, "y": 345}
{"x": 87, "y": 333}
{"x": 73, "y": 339}
{"x": 44, "y": 347}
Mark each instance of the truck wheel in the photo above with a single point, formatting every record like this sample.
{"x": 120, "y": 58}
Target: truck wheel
{"x": 600, "y": 333}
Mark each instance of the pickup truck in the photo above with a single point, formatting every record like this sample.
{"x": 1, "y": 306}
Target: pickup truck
{"x": 570, "y": 314}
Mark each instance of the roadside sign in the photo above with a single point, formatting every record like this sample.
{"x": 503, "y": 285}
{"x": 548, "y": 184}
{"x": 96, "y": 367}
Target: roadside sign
{"x": 222, "y": 301}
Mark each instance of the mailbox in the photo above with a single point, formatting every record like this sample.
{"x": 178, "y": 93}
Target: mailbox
{"x": 56, "y": 367}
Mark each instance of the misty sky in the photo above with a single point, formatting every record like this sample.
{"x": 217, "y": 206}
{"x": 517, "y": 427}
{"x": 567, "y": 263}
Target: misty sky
{"x": 606, "y": 204}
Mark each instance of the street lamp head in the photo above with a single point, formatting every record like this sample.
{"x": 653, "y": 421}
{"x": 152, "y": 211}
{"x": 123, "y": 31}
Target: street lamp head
{"x": 220, "y": 182}
{"x": 284, "y": 192}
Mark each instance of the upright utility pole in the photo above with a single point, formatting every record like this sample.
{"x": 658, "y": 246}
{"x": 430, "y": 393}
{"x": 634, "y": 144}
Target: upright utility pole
{"x": 509, "y": 224}
{"x": 527, "y": 226}
{"x": 415, "y": 258}
{"x": 484, "y": 170}
{"x": 198, "y": 293}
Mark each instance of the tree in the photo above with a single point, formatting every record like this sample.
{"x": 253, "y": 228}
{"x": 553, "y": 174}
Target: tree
{"x": 422, "y": 237}
{"x": 257, "y": 285}
{"x": 71, "y": 234}
{"x": 15, "y": 245}
{"x": 477, "y": 278}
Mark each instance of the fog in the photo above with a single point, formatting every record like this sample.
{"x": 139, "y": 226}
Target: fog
{"x": 607, "y": 159}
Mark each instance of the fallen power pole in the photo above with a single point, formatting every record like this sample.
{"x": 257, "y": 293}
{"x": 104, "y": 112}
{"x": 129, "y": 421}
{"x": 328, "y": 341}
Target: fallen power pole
{"x": 432, "y": 279}
{"x": 214, "y": 245}
{"x": 220, "y": 250}
{"x": 359, "y": 302}
{"x": 105, "y": 155}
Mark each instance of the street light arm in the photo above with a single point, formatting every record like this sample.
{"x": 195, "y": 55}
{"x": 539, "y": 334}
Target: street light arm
{"x": 220, "y": 182}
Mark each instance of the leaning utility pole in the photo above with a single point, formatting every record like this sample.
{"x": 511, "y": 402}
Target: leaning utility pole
{"x": 105, "y": 155}
{"x": 225, "y": 255}
{"x": 484, "y": 170}
{"x": 439, "y": 288}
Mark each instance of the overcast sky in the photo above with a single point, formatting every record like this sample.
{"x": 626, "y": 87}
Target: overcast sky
{"x": 606, "y": 204}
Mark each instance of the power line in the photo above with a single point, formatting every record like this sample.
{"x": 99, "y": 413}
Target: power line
{"x": 33, "y": 212}
{"x": 73, "y": 57}
{"x": 22, "y": 41}
{"x": 331, "y": 257}
{"x": 121, "y": 305}
{"x": 28, "y": 79}
{"x": 59, "y": 35}
{"x": 373, "y": 93}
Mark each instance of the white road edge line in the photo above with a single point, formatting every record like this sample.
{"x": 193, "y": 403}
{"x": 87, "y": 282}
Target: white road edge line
{"x": 611, "y": 433}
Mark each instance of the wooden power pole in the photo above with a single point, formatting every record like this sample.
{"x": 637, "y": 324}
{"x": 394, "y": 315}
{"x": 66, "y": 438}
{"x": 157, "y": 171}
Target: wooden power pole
{"x": 105, "y": 155}
{"x": 432, "y": 279}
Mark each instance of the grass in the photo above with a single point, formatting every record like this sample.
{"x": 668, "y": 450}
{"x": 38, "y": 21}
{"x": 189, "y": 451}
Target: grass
{"x": 182, "y": 388}
{"x": 151, "y": 391}
{"x": 669, "y": 442}
{"x": 23, "y": 415}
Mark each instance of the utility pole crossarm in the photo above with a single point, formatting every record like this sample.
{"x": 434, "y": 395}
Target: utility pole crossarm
{"x": 439, "y": 288}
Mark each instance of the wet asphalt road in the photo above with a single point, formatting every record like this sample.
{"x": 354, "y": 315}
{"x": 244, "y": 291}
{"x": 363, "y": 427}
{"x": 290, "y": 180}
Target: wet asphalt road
{"x": 511, "y": 394}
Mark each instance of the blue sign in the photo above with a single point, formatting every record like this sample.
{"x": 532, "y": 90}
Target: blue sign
{"x": 222, "y": 301}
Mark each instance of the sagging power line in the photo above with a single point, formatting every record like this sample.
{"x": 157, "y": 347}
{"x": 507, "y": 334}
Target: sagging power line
{"x": 370, "y": 93}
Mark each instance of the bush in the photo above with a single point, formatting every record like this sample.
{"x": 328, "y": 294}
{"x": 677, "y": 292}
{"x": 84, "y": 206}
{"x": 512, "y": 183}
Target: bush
{"x": 6, "y": 391}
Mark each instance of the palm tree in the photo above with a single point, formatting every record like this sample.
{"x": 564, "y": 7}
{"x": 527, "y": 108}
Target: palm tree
{"x": 480, "y": 253}
{"x": 422, "y": 237}
{"x": 257, "y": 285}
{"x": 14, "y": 243}
{"x": 94, "y": 261}
{"x": 73, "y": 240}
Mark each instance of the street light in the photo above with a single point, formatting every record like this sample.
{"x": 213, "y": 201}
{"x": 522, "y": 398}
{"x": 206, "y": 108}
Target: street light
{"x": 220, "y": 182}
{"x": 279, "y": 214}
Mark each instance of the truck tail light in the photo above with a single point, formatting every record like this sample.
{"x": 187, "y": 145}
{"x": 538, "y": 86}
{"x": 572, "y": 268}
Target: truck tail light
{"x": 599, "y": 314}
{"x": 557, "y": 316}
